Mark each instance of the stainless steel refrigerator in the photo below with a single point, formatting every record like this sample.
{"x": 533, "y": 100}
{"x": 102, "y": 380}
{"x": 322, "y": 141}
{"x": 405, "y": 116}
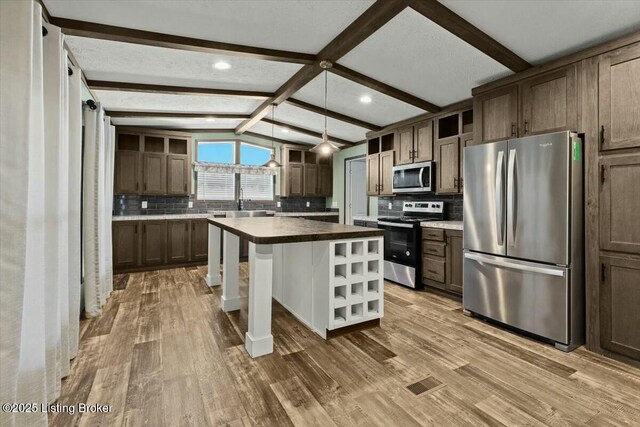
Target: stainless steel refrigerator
{"x": 523, "y": 235}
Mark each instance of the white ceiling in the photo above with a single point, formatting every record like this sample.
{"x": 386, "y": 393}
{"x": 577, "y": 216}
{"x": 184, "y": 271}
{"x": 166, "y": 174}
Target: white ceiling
{"x": 415, "y": 55}
{"x": 541, "y": 30}
{"x": 265, "y": 129}
{"x": 301, "y": 26}
{"x": 290, "y": 114}
{"x": 344, "y": 97}
{"x": 176, "y": 123}
{"x": 139, "y": 101}
{"x": 131, "y": 63}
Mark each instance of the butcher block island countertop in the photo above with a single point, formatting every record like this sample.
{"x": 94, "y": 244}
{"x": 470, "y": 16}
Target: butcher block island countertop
{"x": 272, "y": 230}
{"x": 329, "y": 276}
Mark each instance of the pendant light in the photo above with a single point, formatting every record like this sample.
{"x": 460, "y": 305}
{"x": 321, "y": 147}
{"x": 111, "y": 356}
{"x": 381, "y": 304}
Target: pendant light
{"x": 325, "y": 147}
{"x": 272, "y": 163}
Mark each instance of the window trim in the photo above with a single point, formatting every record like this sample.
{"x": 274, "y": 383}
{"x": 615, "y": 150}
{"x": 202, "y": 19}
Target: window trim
{"x": 236, "y": 161}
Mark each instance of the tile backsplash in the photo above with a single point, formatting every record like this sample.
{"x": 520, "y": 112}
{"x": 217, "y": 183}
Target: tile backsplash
{"x": 161, "y": 205}
{"x": 453, "y": 204}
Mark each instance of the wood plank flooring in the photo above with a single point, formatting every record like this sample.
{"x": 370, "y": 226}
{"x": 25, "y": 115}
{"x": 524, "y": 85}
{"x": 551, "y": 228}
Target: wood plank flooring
{"x": 164, "y": 354}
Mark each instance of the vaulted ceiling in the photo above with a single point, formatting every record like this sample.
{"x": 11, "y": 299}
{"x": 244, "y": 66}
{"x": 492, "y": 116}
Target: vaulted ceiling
{"x": 151, "y": 63}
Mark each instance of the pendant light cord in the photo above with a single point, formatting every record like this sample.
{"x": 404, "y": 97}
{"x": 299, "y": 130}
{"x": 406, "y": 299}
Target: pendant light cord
{"x": 325, "y": 101}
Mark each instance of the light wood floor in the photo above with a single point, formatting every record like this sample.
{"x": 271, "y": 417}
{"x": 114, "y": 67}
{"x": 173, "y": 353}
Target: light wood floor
{"x": 163, "y": 353}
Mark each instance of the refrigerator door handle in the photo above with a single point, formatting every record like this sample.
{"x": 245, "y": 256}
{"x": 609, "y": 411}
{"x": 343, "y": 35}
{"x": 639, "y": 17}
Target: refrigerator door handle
{"x": 522, "y": 267}
{"x": 499, "y": 198}
{"x": 512, "y": 194}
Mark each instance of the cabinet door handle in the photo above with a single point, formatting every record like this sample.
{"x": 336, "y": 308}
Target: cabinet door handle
{"x": 455, "y": 182}
{"x": 193, "y": 226}
{"x": 136, "y": 229}
{"x": 461, "y": 183}
{"x": 185, "y": 188}
{"x": 137, "y": 186}
{"x": 526, "y": 127}
{"x": 513, "y": 129}
{"x": 144, "y": 228}
{"x": 601, "y": 136}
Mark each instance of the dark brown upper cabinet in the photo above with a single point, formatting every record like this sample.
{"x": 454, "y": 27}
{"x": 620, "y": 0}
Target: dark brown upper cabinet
{"x": 373, "y": 174}
{"x": 126, "y": 244}
{"x": 305, "y": 173}
{"x": 619, "y": 301}
{"x": 404, "y": 152}
{"x": 415, "y": 143}
{"x": 152, "y": 162}
{"x": 178, "y": 241}
{"x": 496, "y": 115}
{"x": 177, "y": 174}
{"x": 550, "y": 102}
{"x": 447, "y": 165}
{"x": 619, "y": 99}
{"x": 154, "y": 173}
{"x": 154, "y": 242}
{"x": 466, "y": 140}
{"x": 423, "y": 143}
{"x": 620, "y": 203}
{"x": 381, "y": 157}
{"x": 310, "y": 180}
{"x": 127, "y": 172}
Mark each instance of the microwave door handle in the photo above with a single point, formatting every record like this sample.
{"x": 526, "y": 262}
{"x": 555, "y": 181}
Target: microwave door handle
{"x": 421, "y": 177}
{"x": 499, "y": 199}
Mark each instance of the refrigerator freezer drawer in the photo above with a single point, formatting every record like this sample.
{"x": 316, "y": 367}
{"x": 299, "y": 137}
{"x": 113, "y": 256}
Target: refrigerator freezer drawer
{"x": 529, "y": 296}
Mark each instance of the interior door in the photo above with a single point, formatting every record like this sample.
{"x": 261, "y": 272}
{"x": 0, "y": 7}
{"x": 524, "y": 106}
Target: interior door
{"x": 484, "y": 198}
{"x": 538, "y": 171}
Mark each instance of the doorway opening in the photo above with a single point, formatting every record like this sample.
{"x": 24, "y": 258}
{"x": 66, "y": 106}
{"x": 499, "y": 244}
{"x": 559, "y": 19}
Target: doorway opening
{"x": 355, "y": 195}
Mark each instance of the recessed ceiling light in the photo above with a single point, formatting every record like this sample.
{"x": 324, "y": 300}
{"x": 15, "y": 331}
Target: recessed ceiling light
{"x": 221, "y": 65}
{"x": 285, "y": 130}
{"x": 365, "y": 99}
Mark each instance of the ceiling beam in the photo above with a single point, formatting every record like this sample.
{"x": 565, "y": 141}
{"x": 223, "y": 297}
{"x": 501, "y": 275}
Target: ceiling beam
{"x": 362, "y": 27}
{"x": 307, "y": 132}
{"x": 333, "y": 114}
{"x": 455, "y": 24}
{"x": 172, "y": 115}
{"x": 274, "y": 139}
{"x": 175, "y": 90}
{"x": 378, "y": 86}
{"x": 148, "y": 38}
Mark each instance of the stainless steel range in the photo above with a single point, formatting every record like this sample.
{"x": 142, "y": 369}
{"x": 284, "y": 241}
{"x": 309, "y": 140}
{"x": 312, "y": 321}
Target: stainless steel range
{"x": 403, "y": 241}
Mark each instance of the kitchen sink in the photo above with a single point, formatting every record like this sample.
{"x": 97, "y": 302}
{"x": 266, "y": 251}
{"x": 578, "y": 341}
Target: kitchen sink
{"x": 245, "y": 214}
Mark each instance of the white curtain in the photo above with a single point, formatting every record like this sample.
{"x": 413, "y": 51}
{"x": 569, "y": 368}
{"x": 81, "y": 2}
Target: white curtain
{"x": 99, "y": 146}
{"x": 39, "y": 193}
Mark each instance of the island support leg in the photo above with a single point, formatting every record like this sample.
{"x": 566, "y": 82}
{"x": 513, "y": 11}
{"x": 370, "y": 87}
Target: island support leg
{"x": 213, "y": 274}
{"x": 258, "y": 340}
{"x": 230, "y": 300}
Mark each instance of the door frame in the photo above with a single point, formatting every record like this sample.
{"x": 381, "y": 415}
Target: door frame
{"x": 347, "y": 182}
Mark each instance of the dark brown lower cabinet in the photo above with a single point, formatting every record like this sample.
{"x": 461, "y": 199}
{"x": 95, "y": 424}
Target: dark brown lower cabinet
{"x": 454, "y": 261}
{"x": 147, "y": 245}
{"x": 620, "y": 306}
{"x": 178, "y": 241}
{"x": 199, "y": 240}
{"x": 154, "y": 242}
{"x": 126, "y": 244}
{"x": 442, "y": 259}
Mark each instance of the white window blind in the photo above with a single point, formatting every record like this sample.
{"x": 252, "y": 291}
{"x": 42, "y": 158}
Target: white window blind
{"x": 256, "y": 187}
{"x": 216, "y": 186}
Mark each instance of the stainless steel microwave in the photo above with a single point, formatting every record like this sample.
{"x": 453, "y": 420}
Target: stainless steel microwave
{"x": 414, "y": 178}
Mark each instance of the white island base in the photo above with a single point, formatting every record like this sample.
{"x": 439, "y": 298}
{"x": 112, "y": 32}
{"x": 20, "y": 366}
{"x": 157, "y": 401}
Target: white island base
{"x": 325, "y": 284}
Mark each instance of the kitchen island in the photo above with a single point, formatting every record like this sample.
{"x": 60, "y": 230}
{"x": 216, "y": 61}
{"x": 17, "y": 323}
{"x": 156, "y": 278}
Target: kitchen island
{"x": 327, "y": 275}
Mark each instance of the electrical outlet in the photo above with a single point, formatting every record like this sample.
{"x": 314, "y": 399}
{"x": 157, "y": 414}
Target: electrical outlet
{"x": 279, "y": 204}
{"x": 308, "y": 204}
{"x": 144, "y": 204}
{"x": 390, "y": 206}
{"x": 190, "y": 204}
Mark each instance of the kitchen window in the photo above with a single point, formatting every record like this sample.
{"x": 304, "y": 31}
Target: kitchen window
{"x": 233, "y": 185}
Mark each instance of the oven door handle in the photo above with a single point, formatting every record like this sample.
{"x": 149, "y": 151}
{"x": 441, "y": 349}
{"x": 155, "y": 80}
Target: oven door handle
{"x": 395, "y": 224}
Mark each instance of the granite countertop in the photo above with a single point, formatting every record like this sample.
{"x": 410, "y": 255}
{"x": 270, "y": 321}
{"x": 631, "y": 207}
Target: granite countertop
{"x": 211, "y": 214}
{"x": 449, "y": 225}
{"x": 365, "y": 218}
{"x": 271, "y": 230}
